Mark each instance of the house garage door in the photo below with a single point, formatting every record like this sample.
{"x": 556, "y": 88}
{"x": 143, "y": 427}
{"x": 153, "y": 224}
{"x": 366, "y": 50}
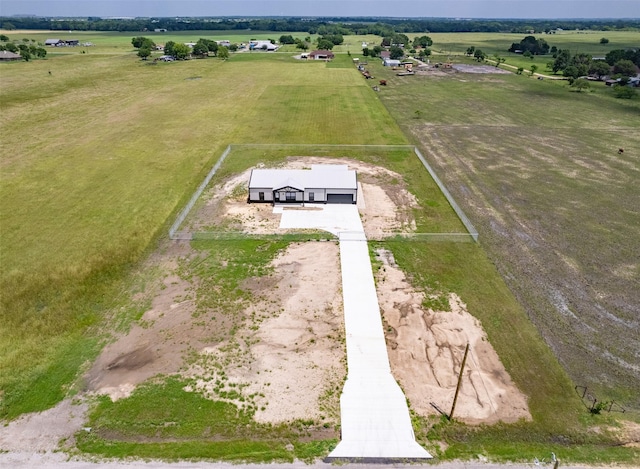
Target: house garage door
{"x": 340, "y": 198}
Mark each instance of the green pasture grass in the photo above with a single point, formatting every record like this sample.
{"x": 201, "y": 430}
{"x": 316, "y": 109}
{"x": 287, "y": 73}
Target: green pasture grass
{"x": 576, "y": 41}
{"x": 528, "y": 157}
{"x": 162, "y": 421}
{"x": 100, "y": 153}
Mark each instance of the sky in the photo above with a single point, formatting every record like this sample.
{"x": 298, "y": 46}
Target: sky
{"x": 395, "y": 8}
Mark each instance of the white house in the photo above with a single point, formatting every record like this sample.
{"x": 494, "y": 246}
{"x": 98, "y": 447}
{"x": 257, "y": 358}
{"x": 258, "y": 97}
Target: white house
{"x": 333, "y": 184}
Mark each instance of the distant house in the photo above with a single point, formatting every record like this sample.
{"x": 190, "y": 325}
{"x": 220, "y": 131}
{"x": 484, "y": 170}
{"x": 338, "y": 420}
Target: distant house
{"x": 72, "y": 42}
{"x": 54, "y": 42}
{"x": 159, "y": 30}
{"x": 333, "y": 184}
{"x": 224, "y": 43}
{"x": 385, "y": 54}
{"x": 7, "y": 56}
{"x": 322, "y": 55}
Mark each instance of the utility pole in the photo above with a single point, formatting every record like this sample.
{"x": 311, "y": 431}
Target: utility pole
{"x": 455, "y": 398}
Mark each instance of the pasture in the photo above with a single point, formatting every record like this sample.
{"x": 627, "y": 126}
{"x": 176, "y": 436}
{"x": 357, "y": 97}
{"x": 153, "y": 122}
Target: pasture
{"x": 538, "y": 167}
{"x": 102, "y": 153}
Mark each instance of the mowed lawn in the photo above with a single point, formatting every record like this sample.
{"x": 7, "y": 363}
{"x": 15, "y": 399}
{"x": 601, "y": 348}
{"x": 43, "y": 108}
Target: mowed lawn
{"x": 100, "y": 150}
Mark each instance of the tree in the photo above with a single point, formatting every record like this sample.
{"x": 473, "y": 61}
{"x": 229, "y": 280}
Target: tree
{"x": 223, "y": 53}
{"x": 599, "y": 68}
{"x": 528, "y": 54}
{"x": 470, "y": 51}
{"x": 181, "y": 51}
{"x": 286, "y": 39}
{"x": 479, "y": 55}
{"x": 365, "y": 51}
{"x": 169, "y": 48}
{"x": 302, "y": 45}
{"x": 396, "y": 53}
{"x": 499, "y": 59}
{"x": 200, "y": 49}
{"x": 625, "y": 68}
{"x": 325, "y": 44}
{"x": 422, "y": 41}
{"x": 4, "y": 38}
{"x": 532, "y": 45}
{"x": 141, "y": 41}
{"x": 11, "y": 47}
{"x": 24, "y": 53}
{"x": 581, "y": 84}
{"x": 234, "y": 47}
{"x": 144, "y": 53}
{"x": 533, "y": 69}
{"x": 424, "y": 53}
{"x": 375, "y": 52}
{"x": 614, "y": 56}
{"x": 604, "y": 40}
{"x": 563, "y": 57}
{"x": 9, "y": 26}
{"x": 520, "y": 70}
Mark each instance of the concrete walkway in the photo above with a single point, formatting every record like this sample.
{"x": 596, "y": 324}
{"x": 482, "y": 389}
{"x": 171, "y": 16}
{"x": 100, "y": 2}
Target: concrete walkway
{"x": 376, "y": 424}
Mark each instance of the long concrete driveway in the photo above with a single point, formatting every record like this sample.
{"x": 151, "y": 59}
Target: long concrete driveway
{"x": 375, "y": 419}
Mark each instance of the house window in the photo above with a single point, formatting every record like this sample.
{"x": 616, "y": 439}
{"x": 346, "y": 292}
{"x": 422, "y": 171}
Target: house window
{"x": 291, "y": 196}
{"x": 312, "y": 197}
{"x": 261, "y": 195}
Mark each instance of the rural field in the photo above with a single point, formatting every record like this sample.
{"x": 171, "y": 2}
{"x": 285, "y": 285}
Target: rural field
{"x": 160, "y": 339}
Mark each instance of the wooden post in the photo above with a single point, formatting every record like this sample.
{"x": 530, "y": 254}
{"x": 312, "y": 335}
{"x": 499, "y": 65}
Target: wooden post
{"x": 455, "y": 398}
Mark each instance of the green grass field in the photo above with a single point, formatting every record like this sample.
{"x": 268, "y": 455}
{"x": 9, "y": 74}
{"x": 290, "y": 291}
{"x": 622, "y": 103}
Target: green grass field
{"x": 101, "y": 153}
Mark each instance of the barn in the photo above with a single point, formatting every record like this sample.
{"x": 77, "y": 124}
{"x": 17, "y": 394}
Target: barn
{"x": 333, "y": 184}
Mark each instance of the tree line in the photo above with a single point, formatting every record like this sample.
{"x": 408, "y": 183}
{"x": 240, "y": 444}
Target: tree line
{"x": 321, "y": 26}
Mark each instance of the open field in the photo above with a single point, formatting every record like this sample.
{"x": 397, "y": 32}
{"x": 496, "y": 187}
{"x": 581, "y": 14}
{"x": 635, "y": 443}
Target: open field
{"x": 556, "y": 205}
{"x": 106, "y": 150}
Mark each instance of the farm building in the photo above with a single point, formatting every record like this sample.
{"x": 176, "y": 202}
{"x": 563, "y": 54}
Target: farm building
{"x": 54, "y": 42}
{"x": 391, "y": 63}
{"x": 333, "y": 184}
{"x": 321, "y": 55}
{"x": 7, "y": 56}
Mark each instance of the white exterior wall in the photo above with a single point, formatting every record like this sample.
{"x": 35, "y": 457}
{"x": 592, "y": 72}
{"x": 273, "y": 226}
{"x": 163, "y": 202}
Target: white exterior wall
{"x": 319, "y": 195}
{"x": 254, "y": 194}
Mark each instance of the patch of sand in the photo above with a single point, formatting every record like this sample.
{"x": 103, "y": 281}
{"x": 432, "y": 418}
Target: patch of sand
{"x": 426, "y": 349}
{"x": 295, "y": 353}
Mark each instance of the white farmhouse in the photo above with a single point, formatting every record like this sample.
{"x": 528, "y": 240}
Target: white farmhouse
{"x": 333, "y": 184}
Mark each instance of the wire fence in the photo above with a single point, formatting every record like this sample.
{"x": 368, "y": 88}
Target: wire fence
{"x": 176, "y": 234}
{"x": 456, "y": 208}
{"x": 196, "y": 195}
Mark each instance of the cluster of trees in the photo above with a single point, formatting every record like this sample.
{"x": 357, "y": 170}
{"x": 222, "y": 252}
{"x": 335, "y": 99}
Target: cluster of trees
{"x": 144, "y": 46}
{"x": 182, "y": 51}
{"x": 27, "y": 48}
{"x": 530, "y": 46}
{"x": 618, "y": 63}
{"x": 328, "y": 41}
